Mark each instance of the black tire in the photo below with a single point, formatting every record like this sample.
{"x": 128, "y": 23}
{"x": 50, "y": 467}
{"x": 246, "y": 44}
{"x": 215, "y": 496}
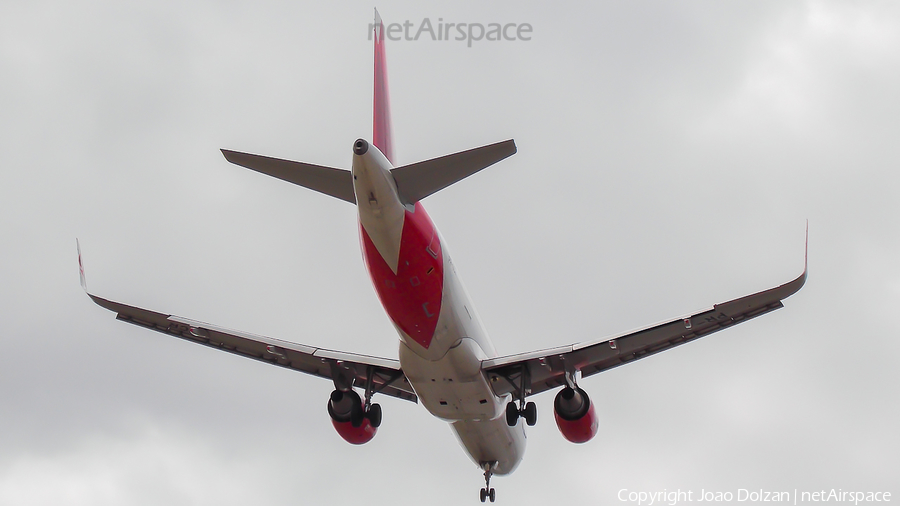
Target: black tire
{"x": 512, "y": 414}
{"x": 483, "y": 494}
{"x": 492, "y": 495}
{"x": 530, "y": 414}
{"x": 374, "y": 415}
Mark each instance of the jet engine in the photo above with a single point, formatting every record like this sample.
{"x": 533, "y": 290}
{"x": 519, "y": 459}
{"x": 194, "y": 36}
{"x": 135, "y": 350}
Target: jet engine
{"x": 575, "y": 415}
{"x": 350, "y": 419}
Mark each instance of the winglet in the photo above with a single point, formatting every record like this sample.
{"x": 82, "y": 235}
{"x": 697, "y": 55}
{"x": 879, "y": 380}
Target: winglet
{"x": 802, "y": 279}
{"x": 806, "y": 252}
{"x": 794, "y": 286}
{"x": 80, "y": 266}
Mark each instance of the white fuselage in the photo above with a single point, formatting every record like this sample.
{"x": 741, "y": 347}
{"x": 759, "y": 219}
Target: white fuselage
{"x": 442, "y": 340}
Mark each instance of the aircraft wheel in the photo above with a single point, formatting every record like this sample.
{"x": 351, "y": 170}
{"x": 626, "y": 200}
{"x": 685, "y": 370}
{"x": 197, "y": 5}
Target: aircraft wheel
{"x": 374, "y": 415}
{"x": 492, "y": 495}
{"x": 483, "y": 494}
{"x": 530, "y": 414}
{"x": 512, "y": 414}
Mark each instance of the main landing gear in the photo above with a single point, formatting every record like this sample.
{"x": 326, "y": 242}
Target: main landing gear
{"x": 529, "y": 413}
{"x": 526, "y": 410}
{"x": 487, "y": 492}
{"x": 372, "y": 411}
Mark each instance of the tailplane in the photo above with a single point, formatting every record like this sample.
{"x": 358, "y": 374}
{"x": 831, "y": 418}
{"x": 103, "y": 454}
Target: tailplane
{"x": 414, "y": 181}
{"x": 330, "y": 181}
{"x": 419, "y": 180}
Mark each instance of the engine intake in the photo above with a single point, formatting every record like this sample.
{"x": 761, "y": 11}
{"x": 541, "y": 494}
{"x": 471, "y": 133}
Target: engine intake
{"x": 574, "y": 414}
{"x": 349, "y": 419}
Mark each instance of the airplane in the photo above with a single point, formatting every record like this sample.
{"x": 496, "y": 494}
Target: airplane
{"x": 446, "y": 360}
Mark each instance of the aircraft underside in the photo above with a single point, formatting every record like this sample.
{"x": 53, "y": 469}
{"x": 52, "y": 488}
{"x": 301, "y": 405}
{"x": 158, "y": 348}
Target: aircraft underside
{"x": 442, "y": 342}
{"x": 445, "y": 358}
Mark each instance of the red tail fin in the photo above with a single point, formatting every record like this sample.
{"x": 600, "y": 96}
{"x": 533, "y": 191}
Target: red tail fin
{"x": 382, "y": 136}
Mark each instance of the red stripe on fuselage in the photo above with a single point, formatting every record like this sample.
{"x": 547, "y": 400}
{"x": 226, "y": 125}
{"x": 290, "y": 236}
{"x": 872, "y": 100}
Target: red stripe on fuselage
{"x": 412, "y": 297}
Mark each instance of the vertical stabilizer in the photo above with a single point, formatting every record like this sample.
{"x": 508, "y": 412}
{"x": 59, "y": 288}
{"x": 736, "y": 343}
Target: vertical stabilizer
{"x": 382, "y": 136}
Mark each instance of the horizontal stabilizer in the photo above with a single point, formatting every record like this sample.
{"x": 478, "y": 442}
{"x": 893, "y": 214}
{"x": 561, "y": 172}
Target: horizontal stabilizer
{"x": 328, "y": 180}
{"x": 419, "y": 180}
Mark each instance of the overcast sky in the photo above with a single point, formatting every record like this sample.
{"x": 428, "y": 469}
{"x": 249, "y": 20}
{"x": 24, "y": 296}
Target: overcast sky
{"x": 669, "y": 156}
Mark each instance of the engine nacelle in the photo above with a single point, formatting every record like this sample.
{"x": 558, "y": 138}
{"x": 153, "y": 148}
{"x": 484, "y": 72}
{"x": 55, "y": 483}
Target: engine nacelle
{"x": 349, "y": 419}
{"x": 575, "y": 415}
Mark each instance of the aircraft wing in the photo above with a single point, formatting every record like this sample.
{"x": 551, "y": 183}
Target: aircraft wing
{"x": 342, "y": 368}
{"x": 546, "y": 369}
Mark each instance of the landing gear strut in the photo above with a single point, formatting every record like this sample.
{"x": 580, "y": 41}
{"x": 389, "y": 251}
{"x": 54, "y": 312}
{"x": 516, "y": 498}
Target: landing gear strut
{"x": 487, "y": 492}
{"x": 526, "y": 410}
{"x": 372, "y": 411}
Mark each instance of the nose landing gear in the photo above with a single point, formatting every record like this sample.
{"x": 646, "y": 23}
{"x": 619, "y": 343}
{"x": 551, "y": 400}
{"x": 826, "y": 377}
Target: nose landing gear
{"x": 487, "y": 492}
